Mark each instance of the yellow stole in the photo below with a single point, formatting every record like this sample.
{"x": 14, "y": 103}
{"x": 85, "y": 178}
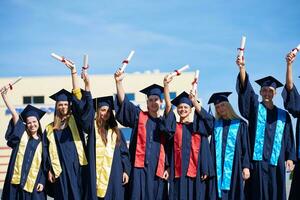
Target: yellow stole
{"x": 34, "y": 168}
{"x": 53, "y": 149}
{"x": 104, "y": 159}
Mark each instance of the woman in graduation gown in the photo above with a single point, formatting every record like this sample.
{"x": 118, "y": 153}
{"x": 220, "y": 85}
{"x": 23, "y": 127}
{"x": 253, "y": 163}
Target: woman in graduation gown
{"x": 108, "y": 155}
{"x": 291, "y": 100}
{"x": 25, "y": 177}
{"x": 271, "y": 137}
{"x": 64, "y": 144}
{"x": 230, "y": 149}
{"x": 190, "y": 160}
{"x": 149, "y": 170}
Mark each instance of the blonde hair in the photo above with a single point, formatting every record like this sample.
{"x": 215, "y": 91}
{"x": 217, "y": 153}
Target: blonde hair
{"x": 231, "y": 113}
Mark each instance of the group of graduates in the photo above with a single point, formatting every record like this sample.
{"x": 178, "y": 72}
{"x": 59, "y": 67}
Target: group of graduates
{"x": 197, "y": 156}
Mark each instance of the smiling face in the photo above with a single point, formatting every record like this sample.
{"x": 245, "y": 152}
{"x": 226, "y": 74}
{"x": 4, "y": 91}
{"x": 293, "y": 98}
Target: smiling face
{"x": 222, "y": 109}
{"x": 183, "y": 110}
{"x": 153, "y": 103}
{"x": 62, "y": 108}
{"x": 267, "y": 93}
{"x": 32, "y": 124}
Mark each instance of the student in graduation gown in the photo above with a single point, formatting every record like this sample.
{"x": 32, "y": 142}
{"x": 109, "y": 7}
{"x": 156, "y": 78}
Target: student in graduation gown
{"x": 25, "y": 177}
{"x": 64, "y": 144}
{"x": 271, "y": 137}
{"x": 230, "y": 149}
{"x": 149, "y": 173}
{"x": 291, "y": 100}
{"x": 108, "y": 155}
{"x": 190, "y": 160}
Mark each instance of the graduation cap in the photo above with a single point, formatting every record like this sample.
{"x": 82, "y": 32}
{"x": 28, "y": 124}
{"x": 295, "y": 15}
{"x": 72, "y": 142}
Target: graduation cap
{"x": 153, "y": 89}
{"x": 103, "y": 101}
{"x": 182, "y": 98}
{"x": 219, "y": 97}
{"x": 30, "y": 110}
{"x": 269, "y": 81}
{"x": 62, "y": 95}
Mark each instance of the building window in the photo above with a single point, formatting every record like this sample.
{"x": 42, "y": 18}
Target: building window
{"x": 130, "y": 96}
{"x": 38, "y": 99}
{"x": 33, "y": 99}
{"x": 26, "y": 100}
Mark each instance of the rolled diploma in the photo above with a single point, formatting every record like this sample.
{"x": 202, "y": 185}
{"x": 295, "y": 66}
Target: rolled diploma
{"x": 85, "y": 60}
{"x": 11, "y": 84}
{"x": 242, "y": 47}
{"x": 296, "y": 49}
{"x": 195, "y": 82}
{"x": 125, "y": 62}
{"x": 57, "y": 57}
{"x": 178, "y": 72}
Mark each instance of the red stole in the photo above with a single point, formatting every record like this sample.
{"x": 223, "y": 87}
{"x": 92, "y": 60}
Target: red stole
{"x": 194, "y": 152}
{"x": 141, "y": 146}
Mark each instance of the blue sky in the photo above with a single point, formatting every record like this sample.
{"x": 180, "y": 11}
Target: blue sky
{"x": 165, "y": 35}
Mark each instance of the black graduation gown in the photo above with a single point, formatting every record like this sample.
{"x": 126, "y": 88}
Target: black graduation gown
{"x": 266, "y": 181}
{"x": 144, "y": 184}
{"x": 186, "y": 187}
{"x": 241, "y": 158}
{"x": 71, "y": 183}
{"x": 15, "y": 192}
{"x": 120, "y": 164}
{"x": 292, "y": 104}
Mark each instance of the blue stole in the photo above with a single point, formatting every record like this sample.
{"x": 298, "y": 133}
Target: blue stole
{"x": 260, "y": 134}
{"x": 224, "y": 180}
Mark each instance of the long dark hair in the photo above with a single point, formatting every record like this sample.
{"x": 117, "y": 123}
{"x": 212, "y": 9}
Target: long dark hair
{"x": 103, "y": 126}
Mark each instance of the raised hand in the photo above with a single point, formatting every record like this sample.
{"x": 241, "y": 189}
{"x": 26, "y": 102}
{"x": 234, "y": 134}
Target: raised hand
{"x": 290, "y": 57}
{"x": 240, "y": 62}
{"x": 119, "y": 75}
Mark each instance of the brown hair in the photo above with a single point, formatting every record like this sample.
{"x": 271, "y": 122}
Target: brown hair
{"x": 57, "y": 119}
{"x": 103, "y": 126}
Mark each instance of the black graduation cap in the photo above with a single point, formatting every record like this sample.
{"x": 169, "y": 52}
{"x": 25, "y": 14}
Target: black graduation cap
{"x": 62, "y": 95}
{"x": 219, "y": 97}
{"x": 153, "y": 89}
{"x": 269, "y": 81}
{"x": 182, "y": 98}
{"x": 30, "y": 110}
{"x": 103, "y": 101}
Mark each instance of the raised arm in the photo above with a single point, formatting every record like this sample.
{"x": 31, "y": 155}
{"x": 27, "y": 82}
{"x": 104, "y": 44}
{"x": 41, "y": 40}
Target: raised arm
{"x": 241, "y": 64}
{"x": 119, "y": 76}
{"x": 167, "y": 80}
{"x": 193, "y": 98}
{"x": 290, "y": 57}
{"x": 11, "y": 108}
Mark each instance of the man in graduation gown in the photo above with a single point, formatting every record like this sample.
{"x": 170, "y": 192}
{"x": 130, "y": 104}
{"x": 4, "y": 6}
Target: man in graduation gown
{"x": 230, "y": 149}
{"x": 64, "y": 145}
{"x": 291, "y": 100}
{"x": 190, "y": 161}
{"x": 147, "y": 153}
{"x": 271, "y": 137}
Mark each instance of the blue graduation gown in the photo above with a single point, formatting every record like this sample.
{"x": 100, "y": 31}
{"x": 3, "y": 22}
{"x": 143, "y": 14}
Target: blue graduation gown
{"x": 186, "y": 187}
{"x": 120, "y": 164}
{"x": 266, "y": 181}
{"x": 292, "y": 104}
{"x": 15, "y": 192}
{"x": 241, "y": 158}
{"x": 70, "y": 184}
{"x": 144, "y": 184}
